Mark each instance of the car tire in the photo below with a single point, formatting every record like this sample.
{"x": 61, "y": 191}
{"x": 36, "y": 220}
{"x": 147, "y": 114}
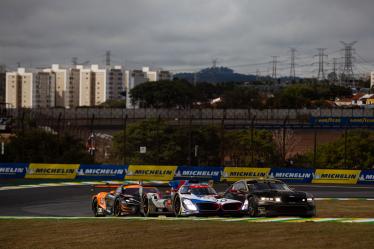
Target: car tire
{"x": 252, "y": 207}
{"x": 95, "y": 208}
{"x": 117, "y": 209}
{"x": 177, "y": 206}
{"x": 147, "y": 211}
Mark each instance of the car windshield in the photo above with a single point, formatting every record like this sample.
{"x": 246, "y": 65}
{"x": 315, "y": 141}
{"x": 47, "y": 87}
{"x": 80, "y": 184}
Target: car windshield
{"x": 202, "y": 191}
{"x": 270, "y": 186}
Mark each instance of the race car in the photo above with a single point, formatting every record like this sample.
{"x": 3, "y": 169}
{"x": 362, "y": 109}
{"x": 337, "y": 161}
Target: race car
{"x": 124, "y": 200}
{"x": 201, "y": 199}
{"x": 270, "y": 197}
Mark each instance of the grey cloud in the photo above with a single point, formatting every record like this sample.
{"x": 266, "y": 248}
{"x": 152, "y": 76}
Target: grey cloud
{"x": 183, "y": 33}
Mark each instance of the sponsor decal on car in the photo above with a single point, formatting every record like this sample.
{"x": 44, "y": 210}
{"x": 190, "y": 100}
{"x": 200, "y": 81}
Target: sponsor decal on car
{"x": 150, "y": 172}
{"x": 233, "y": 174}
{"x": 336, "y": 176}
{"x": 52, "y": 171}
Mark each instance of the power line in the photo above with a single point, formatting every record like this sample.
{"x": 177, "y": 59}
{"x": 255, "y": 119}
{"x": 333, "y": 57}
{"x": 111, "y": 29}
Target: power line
{"x": 348, "y": 75}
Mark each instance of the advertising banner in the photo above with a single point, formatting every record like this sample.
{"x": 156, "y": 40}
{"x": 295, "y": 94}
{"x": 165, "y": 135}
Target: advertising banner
{"x": 336, "y": 176}
{"x": 52, "y": 171}
{"x": 342, "y": 121}
{"x": 198, "y": 172}
{"x": 292, "y": 175}
{"x": 366, "y": 177}
{"x": 150, "y": 172}
{"x": 232, "y": 174}
{"x": 101, "y": 172}
{"x": 13, "y": 170}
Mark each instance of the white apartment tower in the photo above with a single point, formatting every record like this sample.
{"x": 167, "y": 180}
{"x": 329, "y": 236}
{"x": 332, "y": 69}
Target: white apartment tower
{"x": 62, "y": 83}
{"x": 93, "y": 86}
{"x": 133, "y": 79}
{"x": 19, "y": 88}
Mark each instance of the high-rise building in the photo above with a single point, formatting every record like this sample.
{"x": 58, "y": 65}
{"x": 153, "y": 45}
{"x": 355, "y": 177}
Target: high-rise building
{"x": 44, "y": 90}
{"x": 115, "y": 83}
{"x": 156, "y": 75}
{"x": 2, "y": 83}
{"x": 73, "y": 88}
{"x": 19, "y": 88}
{"x": 133, "y": 79}
{"x": 372, "y": 80}
{"x": 93, "y": 86}
{"x": 62, "y": 80}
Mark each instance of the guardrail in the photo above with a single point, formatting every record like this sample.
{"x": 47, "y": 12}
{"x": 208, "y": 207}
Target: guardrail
{"x": 170, "y": 172}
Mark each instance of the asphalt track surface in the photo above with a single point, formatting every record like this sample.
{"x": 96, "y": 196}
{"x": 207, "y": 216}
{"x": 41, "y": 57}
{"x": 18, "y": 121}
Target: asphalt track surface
{"x": 75, "y": 201}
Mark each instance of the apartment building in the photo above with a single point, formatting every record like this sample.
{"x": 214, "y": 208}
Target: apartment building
{"x": 2, "y": 83}
{"x": 72, "y": 92}
{"x": 115, "y": 83}
{"x": 44, "y": 90}
{"x": 372, "y": 80}
{"x": 93, "y": 86}
{"x": 19, "y": 88}
{"x": 62, "y": 80}
{"x": 133, "y": 79}
{"x": 156, "y": 75}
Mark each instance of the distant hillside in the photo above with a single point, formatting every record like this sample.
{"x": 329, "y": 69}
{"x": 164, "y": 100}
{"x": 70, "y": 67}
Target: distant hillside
{"x": 216, "y": 75}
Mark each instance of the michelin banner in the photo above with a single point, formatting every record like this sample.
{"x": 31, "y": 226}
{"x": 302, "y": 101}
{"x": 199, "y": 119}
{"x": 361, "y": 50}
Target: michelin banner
{"x": 51, "y": 171}
{"x": 233, "y": 174}
{"x": 198, "y": 172}
{"x": 13, "y": 170}
{"x": 291, "y": 175}
{"x": 101, "y": 172}
{"x": 336, "y": 176}
{"x": 366, "y": 177}
{"x": 150, "y": 172}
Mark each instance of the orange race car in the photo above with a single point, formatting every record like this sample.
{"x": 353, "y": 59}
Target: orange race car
{"x": 124, "y": 200}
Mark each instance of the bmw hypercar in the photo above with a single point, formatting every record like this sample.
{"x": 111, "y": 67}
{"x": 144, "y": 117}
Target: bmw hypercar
{"x": 201, "y": 199}
{"x": 269, "y": 197}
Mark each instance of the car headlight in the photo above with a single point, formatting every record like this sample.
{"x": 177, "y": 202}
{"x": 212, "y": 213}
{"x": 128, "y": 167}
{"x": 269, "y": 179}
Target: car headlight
{"x": 189, "y": 205}
{"x": 271, "y": 199}
{"x": 309, "y": 199}
{"x": 245, "y": 205}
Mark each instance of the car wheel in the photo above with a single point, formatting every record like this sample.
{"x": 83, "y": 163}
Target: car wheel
{"x": 252, "y": 208}
{"x": 95, "y": 208}
{"x": 117, "y": 209}
{"x": 177, "y": 206}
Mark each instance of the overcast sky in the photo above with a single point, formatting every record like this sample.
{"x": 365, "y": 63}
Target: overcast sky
{"x": 183, "y": 34}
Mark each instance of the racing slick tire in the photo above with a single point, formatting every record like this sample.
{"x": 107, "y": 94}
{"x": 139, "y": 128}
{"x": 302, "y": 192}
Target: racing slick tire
{"x": 95, "y": 208}
{"x": 252, "y": 208}
{"x": 117, "y": 208}
{"x": 177, "y": 206}
{"x": 147, "y": 209}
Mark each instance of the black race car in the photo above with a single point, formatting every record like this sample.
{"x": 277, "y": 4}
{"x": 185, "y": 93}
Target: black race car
{"x": 268, "y": 197}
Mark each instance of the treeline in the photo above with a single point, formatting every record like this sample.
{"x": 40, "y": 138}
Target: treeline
{"x": 182, "y": 94}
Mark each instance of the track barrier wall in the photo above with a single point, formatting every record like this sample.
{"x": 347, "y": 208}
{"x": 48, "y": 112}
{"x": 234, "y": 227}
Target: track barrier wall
{"x": 170, "y": 172}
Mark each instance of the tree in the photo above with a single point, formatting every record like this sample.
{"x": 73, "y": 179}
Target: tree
{"x": 240, "y": 148}
{"x": 167, "y": 144}
{"x": 356, "y": 151}
{"x": 39, "y": 146}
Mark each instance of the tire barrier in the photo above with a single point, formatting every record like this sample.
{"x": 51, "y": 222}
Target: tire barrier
{"x": 169, "y": 172}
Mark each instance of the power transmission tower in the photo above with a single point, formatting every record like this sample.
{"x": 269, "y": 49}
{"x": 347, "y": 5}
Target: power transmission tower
{"x": 321, "y": 63}
{"x": 293, "y": 71}
{"x": 107, "y": 58}
{"x": 347, "y": 74}
{"x": 274, "y": 62}
{"x": 334, "y": 77}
